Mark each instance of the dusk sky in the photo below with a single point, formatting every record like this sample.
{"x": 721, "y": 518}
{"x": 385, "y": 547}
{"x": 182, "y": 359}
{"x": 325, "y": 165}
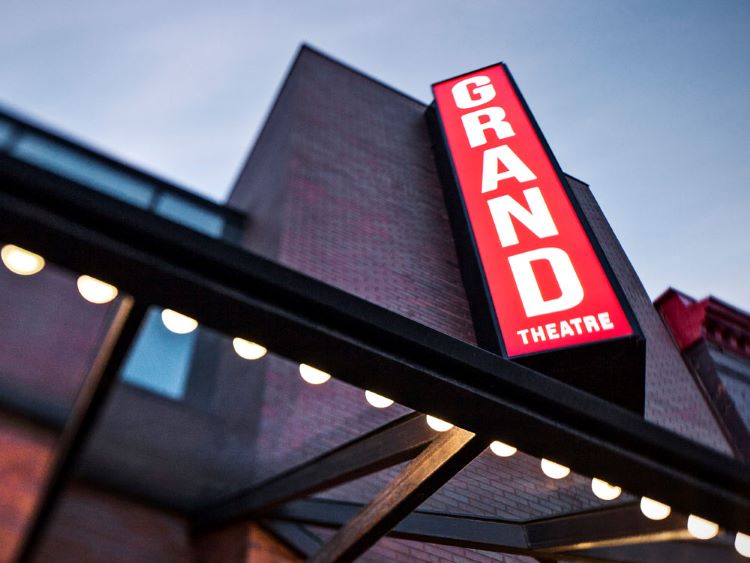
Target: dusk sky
{"x": 647, "y": 101}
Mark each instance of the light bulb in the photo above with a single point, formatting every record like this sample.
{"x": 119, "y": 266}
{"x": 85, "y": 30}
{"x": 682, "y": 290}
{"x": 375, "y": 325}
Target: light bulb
{"x": 653, "y": 509}
{"x": 378, "y": 401}
{"x": 438, "y": 425}
{"x": 248, "y": 350}
{"x": 604, "y": 490}
{"x": 554, "y": 470}
{"x": 20, "y": 261}
{"x": 701, "y": 528}
{"x": 312, "y": 375}
{"x": 96, "y": 291}
{"x": 501, "y": 449}
{"x": 177, "y": 322}
{"x": 742, "y": 544}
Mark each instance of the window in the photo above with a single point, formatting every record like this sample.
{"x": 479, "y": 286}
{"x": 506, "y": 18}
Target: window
{"x": 160, "y": 360}
{"x": 185, "y": 212}
{"x": 57, "y": 158}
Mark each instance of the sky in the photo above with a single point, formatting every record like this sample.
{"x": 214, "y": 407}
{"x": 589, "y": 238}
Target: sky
{"x": 647, "y": 101}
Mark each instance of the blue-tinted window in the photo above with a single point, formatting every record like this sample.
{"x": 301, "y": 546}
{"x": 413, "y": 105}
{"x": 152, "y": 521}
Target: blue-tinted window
{"x": 160, "y": 360}
{"x": 5, "y": 132}
{"x": 197, "y": 217}
{"x": 82, "y": 168}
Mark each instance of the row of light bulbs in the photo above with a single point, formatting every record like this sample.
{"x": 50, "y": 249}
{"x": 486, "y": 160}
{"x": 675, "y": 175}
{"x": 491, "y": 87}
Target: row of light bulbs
{"x": 26, "y": 263}
{"x": 698, "y": 527}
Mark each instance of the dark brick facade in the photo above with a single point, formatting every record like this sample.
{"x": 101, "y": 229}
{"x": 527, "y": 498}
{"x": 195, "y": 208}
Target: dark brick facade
{"x": 342, "y": 186}
{"x": 347, "y": 165}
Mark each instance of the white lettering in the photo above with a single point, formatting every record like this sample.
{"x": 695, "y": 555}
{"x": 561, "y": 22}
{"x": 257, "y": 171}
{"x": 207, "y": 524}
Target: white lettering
{"x": 551, "y": 329}
{"x": 565, "y": 329}
{"x": 605, "y": 322}
{"x": 528, "y": 288}
{"x": 538, "y": 334}
{"x": 590, "y": 323}
{"x": 562, "y": 329}
{"x": 537, "y": 218}
{"x": 514, "y": 168}
{"x": 475, "y": 129}
{"x": 482, "y": 89}
{"x": 522, "y": 334}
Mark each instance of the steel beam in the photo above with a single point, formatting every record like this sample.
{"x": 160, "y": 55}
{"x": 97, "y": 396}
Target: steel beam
{"x": 574, "y": 536}
{"x": 91, "y": 400}
{"x": 448, "y": 529}
{"x": 429, "y": 471}
{"x": 389, "y": 445}
{"x": 294, "y": 536}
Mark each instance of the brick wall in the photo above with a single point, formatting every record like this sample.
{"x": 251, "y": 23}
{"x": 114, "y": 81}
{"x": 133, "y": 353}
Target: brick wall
{"x": 89, "y": 525}
{"x": 342, "y": 186}
{"x": 25, "y": 450}
{"x": 49, "y": 337}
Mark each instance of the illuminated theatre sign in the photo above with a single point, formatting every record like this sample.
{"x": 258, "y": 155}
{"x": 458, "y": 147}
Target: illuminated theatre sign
{"x": 541, "y": 290}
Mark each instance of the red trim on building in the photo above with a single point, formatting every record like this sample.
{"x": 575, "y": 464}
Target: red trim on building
{"x": 689, "y": 320}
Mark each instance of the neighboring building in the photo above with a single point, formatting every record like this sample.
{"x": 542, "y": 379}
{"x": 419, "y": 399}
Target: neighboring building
{"x": 714, "y": 338}
{"x": 341, "y": 186}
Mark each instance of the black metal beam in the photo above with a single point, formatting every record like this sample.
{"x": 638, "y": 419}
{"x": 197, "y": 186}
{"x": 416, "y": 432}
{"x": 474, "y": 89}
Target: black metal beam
{"x": 90, "y": 402}
{"x": 294, "y": 536}
{"x": 603, "y": 527}
{"x": 388, "y": 445}
{"x": 464, "y": 531}
{"x": 570, "y": 536}
{"x": 363, "y": 344}
{"x": 717, "y": 550}
{"x": 429, "y": 471}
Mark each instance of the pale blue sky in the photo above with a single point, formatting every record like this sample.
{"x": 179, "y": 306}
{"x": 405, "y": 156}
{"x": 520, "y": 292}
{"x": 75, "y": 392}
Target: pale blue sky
{"x": 647, "y": 101}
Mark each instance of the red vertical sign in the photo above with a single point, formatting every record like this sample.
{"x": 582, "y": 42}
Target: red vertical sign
{"x": 548, "y": 287}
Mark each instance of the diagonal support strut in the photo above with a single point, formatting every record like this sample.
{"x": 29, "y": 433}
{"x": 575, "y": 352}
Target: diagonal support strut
{"x": 384, "y": 447}
{"x": 91, "y": 399}
{"x": 437, "y": 464}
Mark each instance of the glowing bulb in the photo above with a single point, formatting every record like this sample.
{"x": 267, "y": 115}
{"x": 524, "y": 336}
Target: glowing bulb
{"x": 554, "y": 470}
{"x": 96, "y": 291}
{"x": 312, "y": 375}
{"x": 604, "y": 490}
{"x": 378, "y": 401}
{"x": 248, "y": 350}
{"x": 654, "y": 509}
{"x": 20, "y": 261}
{"x": 742, "y": 544}
{"x": 701, "y": 528}
{"x": 438, "y": 425}
{"x": 177, "y": 322}
{"x": 501, "y": 449}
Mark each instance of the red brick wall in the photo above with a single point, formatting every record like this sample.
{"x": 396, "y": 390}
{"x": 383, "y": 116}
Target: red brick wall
{"x": 242, "y": 543}
{"x": 265, "y": 548}
{"x": 24, "y": 452}
{"x": 91, "y": 525}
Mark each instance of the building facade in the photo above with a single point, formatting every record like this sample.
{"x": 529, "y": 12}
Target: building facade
{"x": 200, "y": 454}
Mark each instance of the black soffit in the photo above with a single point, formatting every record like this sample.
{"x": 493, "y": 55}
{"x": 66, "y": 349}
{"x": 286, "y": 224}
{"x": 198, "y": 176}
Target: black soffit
{"x": 241, "y": 294}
